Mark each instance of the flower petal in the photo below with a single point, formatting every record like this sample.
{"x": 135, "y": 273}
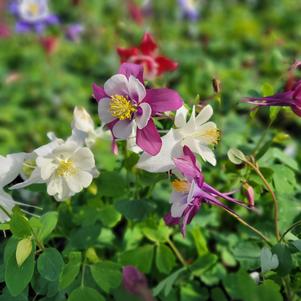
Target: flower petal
{"x": 148, "y": 44}
{"x": 179, "y": 203}
{"x": 204, "y": 115}
{"x": 165, "y": 64}
{"x": 143, "y": 119}
{"x": 162, "y": 100}
{"x": 128, "y": 69}
{"x": 84, "y": 159}
{"x": 104, "y": 111}
{"x": 136, "y": 89}
{"x": 149, "y": 139}
{"x": 116, "y": 85}
{"x": 123, "y": 129}
{"x": 80, "y": 180}
{"x": 180, "y": 118}
{"x": 98, "y": 92}
{"x": 126, "y": 53}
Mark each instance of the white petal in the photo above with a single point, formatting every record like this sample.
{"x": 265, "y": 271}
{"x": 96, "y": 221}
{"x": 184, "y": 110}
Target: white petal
{"x": 55, "y": 186}
{"x": 116, "y": 85}
{"x": 143, "y": 119}
{"x": 35, "y": 178}
{"x": 179, "y": 203}
{"x": 80, "y": 180}
{"x": 204, "y": 115}
{"x": 47, "y": 167}
{"x": 82, "y": 120}
{"x": 83, "y": 159}
{"x": 136, "y": 89}
{"x": 123, "y": 129}
{"x": 191, "y": 124}
{"x": 104, "y": 111}
{"x": 180, "y": 118}
{"x": 163, "y": 161}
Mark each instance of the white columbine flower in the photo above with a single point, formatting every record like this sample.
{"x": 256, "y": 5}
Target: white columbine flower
{"x": 197, "y": 133}
{"x": 33, "y": 10}
{"x": 67, "y": 169}
{"x": 83, "y": 128}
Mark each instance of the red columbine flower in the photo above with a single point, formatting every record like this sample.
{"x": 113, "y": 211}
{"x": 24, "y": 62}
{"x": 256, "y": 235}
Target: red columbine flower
{"x": 146, "y": 54}
{"x": 290, "y": 98}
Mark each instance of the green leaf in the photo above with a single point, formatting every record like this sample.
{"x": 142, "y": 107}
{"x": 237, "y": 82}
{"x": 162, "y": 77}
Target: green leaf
{"x": 199, "y": 241}
{"x": 193, "y": 292}
{"x": 50, "y": 264}
{"x": 85, "y": 293}
{"x": 284, "y": 179}
{"x": 165, "y": 259}
{"x": 134, "y": 210}
{"x": 48, "y": 221}
{"x": 203, "y": 263}
{"x": 24, "y": 249}
{"x": 112, "y": 184}
{"x": 217, "y": 294}
{"x": 269, "y": 290}
{"x": 167, "y": 283}
{"x": 267, "y": 89}
{"x": 17, "y": 278}
{"x": 268, "y": 261}
{"x": 109, "y": 216}
{"x": 247, "y": 253}
{"x": 159, "y": 235}
{"x": 107, "y": 275}
{"x": 284, "y": 257}
{"x": 19, "y": 225}
{"x": 71, "y": 270}
{"x": 141, "y": 257}
{"x": 297, "y": 244}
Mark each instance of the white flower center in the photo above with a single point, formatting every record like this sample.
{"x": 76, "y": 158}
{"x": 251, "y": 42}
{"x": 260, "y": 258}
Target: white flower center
{"x": 66, "y": 168}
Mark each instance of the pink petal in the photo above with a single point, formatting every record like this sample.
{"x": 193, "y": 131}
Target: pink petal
{"x": 128, "y": 69}
{"x": 149, "y": 139}
{"x": 143, "y": 119}
{"x": 162, "y": 100}
{"x": 98, "y": 92}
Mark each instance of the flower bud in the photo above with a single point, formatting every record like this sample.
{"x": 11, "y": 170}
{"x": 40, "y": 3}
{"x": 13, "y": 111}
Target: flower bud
{"x": 249, "y": 193}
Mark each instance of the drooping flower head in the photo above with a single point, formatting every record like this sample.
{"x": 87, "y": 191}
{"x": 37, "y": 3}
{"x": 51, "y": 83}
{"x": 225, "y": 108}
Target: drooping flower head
{"x": 199, "y": 134}
{"x": 33, "y": 15}
{"x": 290, "y": 98}
{"x": 127, "y": 107}
{"x": 191, "y": 191}
{"x": 146, "y": 54}
{"x": 190, "y": 9}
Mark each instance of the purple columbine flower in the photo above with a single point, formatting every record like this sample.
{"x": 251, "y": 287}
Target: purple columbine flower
{"x": 32, "y": 15}
{"x": 189, "y": 9}
{"x": 126, "y": 107}
{"x": 191, "y": 191}
{"x": 74, "y": 32}
{"x": 290, "y": 98}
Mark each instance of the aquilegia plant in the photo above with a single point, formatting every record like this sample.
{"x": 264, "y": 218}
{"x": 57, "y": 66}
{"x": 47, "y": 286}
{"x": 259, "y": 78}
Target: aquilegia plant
{"x": 157, "y": 139}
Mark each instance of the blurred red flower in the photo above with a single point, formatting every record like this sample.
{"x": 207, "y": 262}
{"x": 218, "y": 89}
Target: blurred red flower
{"x": 146, "y": 54}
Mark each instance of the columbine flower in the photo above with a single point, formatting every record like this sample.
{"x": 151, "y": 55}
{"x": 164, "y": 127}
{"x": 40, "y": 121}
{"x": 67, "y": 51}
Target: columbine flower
{"x": 126, "y": 106}
{"x": 189, "y": 9}
{"x": 198, "y": 134}
{"x": 290, "y": 98}
{"x": 83, "y": 128}
{"x": 74, "y": 32}
{"x": 67, "y": 170}
{"x": 135, "y": 283}
{"x": 11, "y": 166}
{"x": 32, "y": 15}
{"x": 146, "y": 54}
{"x": 191, "y": 191}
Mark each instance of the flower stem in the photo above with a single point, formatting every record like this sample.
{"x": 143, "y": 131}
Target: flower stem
{"x": 257, "y": 147}
{"x": 289, "y": 229}
{"x": 259, "y": 233}
{"x": 177, "y": 252}
{"x": 269, "y": 188}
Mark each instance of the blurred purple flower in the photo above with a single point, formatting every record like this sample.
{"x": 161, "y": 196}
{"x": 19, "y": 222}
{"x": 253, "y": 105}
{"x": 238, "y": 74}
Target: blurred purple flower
{"x": 135, "y": 283}
{"x": 189, "y": 9}
{"x": 290, "y": 98}
{"x": 74, "y": 31}
{"x": 190, "y": 192}
{"x": 32, "y": 15}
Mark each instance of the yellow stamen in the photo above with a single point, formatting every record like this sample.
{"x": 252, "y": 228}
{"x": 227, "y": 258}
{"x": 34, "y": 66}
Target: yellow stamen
{"x": 180, "y": 186}
{"x": 66, "y": 168}
{"x": 121, "y": 107}
{"x": 33, "y": 9}
{"x": 211, "y": 136}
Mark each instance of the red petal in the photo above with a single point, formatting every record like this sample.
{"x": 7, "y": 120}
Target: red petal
{"x": 126, "y": 53}
{"x": 165, "y": 64}
{"x": 148, "y": 44}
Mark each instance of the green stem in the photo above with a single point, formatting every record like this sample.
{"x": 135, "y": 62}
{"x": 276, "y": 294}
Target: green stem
{"x": 269, "y": 188}
{"x": 289, "y": 229}
{"x": 259, "y": 233}
{"x": 82, "y": 282}
{"x": 257, "y": 147}
{"x": 177, "y": 252}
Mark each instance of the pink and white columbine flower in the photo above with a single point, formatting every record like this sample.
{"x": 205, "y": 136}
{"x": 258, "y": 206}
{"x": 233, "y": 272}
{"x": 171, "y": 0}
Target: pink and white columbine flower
{"x": 191, "y": 191}
{"x": 125, "y": 106}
